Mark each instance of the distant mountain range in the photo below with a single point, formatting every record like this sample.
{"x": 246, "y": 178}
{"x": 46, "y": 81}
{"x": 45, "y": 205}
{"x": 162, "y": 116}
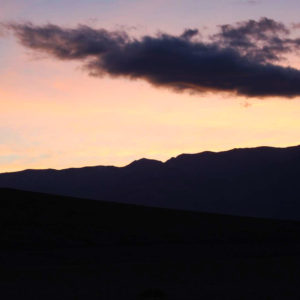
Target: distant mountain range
{"x": 260, "y": 182}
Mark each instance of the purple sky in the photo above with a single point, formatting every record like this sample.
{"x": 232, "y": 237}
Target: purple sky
{"x": 54, "y": 115}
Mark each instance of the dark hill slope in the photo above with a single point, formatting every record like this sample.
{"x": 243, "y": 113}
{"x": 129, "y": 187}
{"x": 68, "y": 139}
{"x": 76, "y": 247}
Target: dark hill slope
{"x": 54, "y": 247}
{"x": 33, "y": 219}
{"x": 260, "y": 182}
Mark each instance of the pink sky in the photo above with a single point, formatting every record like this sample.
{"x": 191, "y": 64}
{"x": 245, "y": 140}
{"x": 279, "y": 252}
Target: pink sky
{"x": 53, "y": 115}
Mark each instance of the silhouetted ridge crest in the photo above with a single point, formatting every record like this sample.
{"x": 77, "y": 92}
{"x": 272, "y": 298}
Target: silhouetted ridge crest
{"x": 144, "y": 162}
{"x": 260, "y": 182}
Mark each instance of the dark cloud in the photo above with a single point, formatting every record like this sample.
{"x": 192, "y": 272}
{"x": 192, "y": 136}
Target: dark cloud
{"x": 239, "y": 59}
{"x": 78, "y": 43}
{"x": 263, "y": 40}
{"x": 189, "y": 33}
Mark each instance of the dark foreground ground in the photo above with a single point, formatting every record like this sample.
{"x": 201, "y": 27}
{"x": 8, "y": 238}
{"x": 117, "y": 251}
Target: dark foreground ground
{"x": 55, "y": 247}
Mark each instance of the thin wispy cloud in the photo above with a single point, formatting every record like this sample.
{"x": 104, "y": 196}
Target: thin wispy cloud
{"x": 3, "y": 30}
{"x": 251, "y": 2}
{"x": 241, "y": 58}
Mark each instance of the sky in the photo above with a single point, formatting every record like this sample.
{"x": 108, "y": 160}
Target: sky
{"x": 106, "y": 82}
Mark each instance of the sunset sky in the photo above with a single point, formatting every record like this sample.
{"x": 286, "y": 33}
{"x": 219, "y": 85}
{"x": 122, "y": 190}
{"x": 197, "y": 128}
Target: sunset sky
{"x": 54, "y": 114}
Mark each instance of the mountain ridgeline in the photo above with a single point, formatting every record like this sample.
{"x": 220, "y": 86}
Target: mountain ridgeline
{"x": 259, "y": 182}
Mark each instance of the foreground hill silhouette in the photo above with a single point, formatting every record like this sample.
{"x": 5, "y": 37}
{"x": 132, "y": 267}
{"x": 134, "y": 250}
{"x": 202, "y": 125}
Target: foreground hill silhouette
{"x": 261, "y": 182}
{"x": 55, "y": 247}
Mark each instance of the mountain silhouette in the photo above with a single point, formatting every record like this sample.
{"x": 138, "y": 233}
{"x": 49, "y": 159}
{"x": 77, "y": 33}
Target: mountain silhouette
{"x": 259, "y": 182}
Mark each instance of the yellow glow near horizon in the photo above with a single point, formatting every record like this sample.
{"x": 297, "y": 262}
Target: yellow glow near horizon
{"x": 53, "y": 115}
{"x": 70, "y": 120}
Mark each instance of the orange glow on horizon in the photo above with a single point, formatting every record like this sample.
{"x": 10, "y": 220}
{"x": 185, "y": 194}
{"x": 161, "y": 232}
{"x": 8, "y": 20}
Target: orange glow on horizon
{"x": 53, "y": 115}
